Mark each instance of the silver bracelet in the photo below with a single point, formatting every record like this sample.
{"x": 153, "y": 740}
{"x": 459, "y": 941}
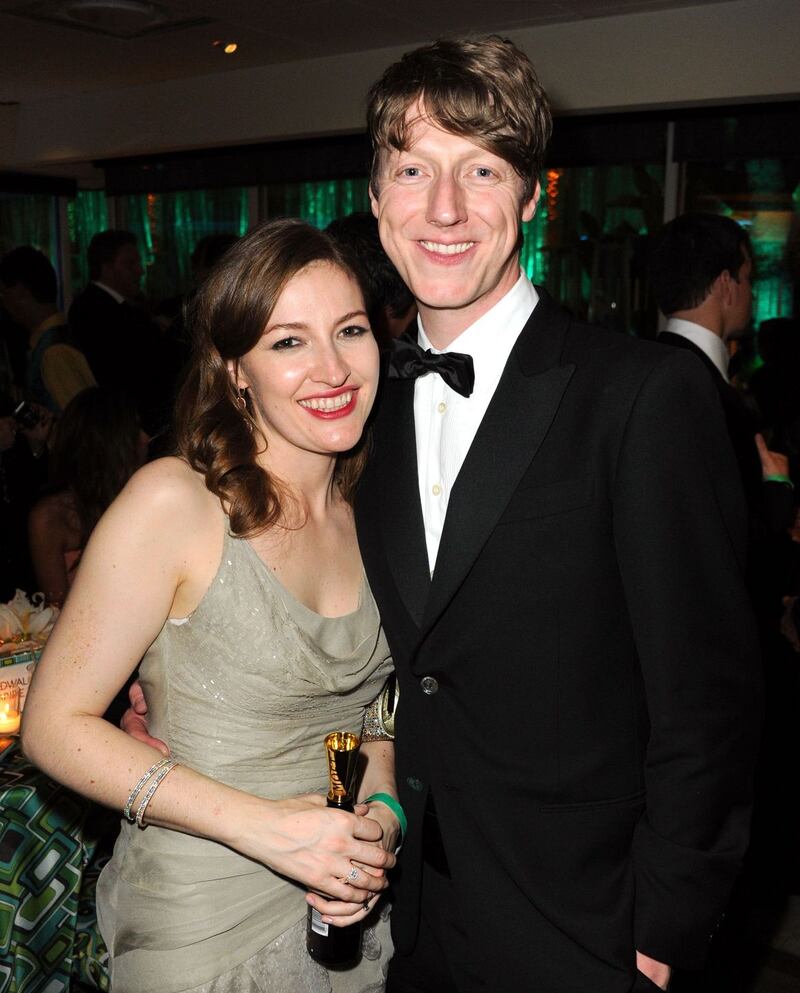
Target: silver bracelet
{"x": 380, "y": 714}
{"x": 167, "y": 769}
{"x": 126, "y": 810}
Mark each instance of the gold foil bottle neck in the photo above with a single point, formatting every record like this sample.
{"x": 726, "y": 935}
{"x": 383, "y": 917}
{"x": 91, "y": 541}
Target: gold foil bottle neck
{"x": 342, "y": 748}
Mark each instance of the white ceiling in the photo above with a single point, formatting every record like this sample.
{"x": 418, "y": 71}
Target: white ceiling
{"x": 41, "y": 58}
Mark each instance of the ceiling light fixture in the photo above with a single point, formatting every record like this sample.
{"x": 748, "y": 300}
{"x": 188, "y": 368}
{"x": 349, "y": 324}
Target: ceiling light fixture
{"x": 124, "y": 16}
{"x": 228, "y": 47}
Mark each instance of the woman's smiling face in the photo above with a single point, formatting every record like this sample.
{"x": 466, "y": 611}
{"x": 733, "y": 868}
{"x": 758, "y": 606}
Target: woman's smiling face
{"x": 313, "y": 375}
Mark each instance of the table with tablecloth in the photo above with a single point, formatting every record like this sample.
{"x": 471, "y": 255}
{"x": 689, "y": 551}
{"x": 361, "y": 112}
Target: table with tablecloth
{"x": 53, "y": 844}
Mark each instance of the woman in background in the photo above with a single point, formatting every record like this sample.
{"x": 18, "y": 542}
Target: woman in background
{"x": 97, "y": 446}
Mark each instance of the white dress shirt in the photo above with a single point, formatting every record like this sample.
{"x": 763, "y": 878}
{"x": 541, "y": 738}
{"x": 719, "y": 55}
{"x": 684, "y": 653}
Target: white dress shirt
{"x": 710, "y": 344}
{"x": 445, "y": 422}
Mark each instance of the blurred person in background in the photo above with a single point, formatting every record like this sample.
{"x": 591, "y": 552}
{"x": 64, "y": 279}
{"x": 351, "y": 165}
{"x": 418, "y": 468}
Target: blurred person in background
{"x": 206, "y": 253}
{"x": 97, "y": 445}
{"x": 390, "y": 303}
{"x": 23, "y": 469}
{"x": 127, "y": 351}
{"x": 56, "y": 370}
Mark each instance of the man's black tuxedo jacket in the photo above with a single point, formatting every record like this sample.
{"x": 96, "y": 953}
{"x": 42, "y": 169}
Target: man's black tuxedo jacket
{"x": 591, "y": 740}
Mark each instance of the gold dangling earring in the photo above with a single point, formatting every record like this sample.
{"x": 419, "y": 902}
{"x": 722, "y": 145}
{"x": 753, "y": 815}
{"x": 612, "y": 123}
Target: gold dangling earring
{"x": 241, "y": 401}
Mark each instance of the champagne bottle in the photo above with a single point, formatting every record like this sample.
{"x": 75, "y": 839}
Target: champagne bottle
{"x": 337, "y": 946}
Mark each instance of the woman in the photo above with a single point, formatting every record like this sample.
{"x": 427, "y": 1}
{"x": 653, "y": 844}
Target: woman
{"x": 97, "y": 446}
{"x": 236, "y": 569}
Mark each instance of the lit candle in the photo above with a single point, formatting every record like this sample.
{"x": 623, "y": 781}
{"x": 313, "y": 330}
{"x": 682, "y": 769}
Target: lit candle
{"x": 9, "y": 718}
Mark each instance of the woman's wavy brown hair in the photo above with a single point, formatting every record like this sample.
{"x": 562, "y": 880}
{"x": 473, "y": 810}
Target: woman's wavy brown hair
{"x": 226, "y": 318}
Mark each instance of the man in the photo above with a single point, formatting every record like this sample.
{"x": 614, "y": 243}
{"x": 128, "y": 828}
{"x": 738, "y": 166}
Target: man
{"x": 125, "y": 349}
{"x": 700, "y": 271}
{"x": 56, "y": 370}
{"x": 558, "y": 563}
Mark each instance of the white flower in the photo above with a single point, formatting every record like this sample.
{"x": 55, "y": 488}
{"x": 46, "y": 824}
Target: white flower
{"x": 10, "y": 628}
{"x": 23, "y": 619}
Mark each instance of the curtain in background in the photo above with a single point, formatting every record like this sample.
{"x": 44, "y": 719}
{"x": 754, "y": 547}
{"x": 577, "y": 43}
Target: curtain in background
{"x": 29, "y": 219}
{"x": 169, "y": 225}
{"x": 533, "y": 256}
{"x": 773, "y": 225}
{"x": 763, "y": 195}
{"x": 87, "y": 214}
{"x": 593, "y": 248}
{"x": 318, "y": 203}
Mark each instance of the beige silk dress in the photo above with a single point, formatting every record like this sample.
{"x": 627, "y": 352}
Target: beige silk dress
{"x": 244, "y": 690}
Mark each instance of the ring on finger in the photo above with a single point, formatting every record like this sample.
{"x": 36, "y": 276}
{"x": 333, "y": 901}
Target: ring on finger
{"x": 351, "y": 876}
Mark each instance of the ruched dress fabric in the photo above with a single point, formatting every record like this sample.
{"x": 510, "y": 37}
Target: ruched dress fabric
{"x": 244, "y": 690}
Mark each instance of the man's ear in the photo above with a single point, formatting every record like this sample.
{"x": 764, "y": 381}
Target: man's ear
{"x": 373, "y": 201}
{"x": 529, "y": 206}
{"x": 724, "y": 287}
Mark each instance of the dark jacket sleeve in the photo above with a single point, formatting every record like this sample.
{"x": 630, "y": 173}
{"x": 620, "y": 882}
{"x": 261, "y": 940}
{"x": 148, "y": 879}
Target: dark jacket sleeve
{"x": 680, "y": 531}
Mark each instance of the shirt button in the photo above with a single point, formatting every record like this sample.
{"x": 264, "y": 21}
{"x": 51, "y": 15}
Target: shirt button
{"x": 436, "y": 489}
{"x": 441, "y": 407}
{"x": 429, "y": 685}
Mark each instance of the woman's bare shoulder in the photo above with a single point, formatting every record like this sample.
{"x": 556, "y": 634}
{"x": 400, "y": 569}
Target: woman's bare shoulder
{"x": 170, "y": 491}
{"x": 169, "y": 480}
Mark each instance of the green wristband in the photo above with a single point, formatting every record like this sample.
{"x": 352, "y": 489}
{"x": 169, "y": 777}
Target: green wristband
{"x": 777, "y": 478}
{"x": 394, "y": 806}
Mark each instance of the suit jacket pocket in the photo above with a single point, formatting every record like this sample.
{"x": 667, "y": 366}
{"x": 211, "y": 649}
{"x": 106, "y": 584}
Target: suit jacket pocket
{"x": 554, "y": 498}
{"x": 629, "y": 800}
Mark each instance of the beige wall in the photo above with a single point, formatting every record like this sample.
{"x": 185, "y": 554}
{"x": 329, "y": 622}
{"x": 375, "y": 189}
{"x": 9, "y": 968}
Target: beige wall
{"x": 728, "y": 52}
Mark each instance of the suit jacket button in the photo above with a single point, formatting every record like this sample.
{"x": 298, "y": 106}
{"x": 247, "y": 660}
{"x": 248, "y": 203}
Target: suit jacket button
{"x": 415, "y": 784}
{"x": 429, "y": 685}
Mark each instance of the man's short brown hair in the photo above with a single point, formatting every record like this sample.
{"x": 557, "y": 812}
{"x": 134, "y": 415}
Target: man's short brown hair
{"x": 485, "y": 90}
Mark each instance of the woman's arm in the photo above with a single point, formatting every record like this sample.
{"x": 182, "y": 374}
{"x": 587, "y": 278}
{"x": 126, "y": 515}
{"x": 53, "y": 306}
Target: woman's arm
{"x": 151, "y": 556}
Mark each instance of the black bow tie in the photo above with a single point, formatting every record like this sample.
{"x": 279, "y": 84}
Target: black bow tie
{"x": 408, "y": 361}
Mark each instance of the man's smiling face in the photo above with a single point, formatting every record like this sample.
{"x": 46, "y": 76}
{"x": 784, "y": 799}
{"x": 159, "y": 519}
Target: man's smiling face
{"x": 449, "y": 214}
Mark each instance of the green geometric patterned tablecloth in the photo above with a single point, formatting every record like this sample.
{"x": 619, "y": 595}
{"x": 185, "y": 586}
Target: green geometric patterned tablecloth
{"x": 53, "y": 844}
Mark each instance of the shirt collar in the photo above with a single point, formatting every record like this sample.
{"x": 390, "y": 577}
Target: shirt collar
{"x": 112, "y": 293}
{"x": 710, "y": 344}
{"x": 490, "y": 339}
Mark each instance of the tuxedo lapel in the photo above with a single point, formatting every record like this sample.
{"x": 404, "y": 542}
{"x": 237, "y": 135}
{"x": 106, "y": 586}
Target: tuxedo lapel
{"x": 401, "y": 513}
{"x": 516, "y": 422}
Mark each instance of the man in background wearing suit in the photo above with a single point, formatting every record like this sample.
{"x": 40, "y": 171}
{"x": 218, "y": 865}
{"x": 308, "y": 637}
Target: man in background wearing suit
{"x": 125, "y": 349}
{"x": 700, "y": 271}
{"x": 557, "y": 554}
